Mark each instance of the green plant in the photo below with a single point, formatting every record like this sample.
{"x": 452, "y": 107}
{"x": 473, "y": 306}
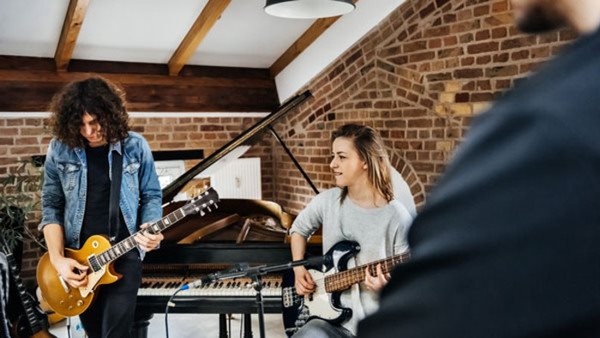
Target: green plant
{"x": 19, "y": 200}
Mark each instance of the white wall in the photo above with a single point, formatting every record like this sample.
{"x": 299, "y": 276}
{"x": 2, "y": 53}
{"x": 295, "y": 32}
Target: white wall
{"x": 346, "y": 31}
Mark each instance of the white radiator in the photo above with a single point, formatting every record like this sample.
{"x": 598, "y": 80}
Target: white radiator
{"x": 240, "y": 178}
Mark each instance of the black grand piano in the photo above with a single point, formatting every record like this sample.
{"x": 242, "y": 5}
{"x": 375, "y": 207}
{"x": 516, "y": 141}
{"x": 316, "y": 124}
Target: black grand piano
{"x": 239, "y": 231}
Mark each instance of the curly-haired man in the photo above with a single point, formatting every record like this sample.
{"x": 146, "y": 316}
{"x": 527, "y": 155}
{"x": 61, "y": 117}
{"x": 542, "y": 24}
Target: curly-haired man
{"x": 90, "y": 125}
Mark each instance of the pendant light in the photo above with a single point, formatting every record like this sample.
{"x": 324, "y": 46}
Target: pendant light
{"x": 308, "y": 9}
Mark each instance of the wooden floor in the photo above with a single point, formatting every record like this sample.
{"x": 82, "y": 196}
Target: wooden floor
{"x": 197, "y": 326}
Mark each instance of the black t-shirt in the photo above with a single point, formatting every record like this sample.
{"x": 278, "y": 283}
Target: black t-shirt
{"x": 95, "y": 220}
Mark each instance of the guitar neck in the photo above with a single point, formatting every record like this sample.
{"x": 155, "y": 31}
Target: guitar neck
{"x": 129, "y": 243}
{"x": 343, "y": 280}
{"x": 28, "y": 305}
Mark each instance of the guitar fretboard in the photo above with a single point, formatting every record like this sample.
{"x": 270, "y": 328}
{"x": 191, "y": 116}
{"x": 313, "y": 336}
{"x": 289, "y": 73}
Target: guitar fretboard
{"x": 124, "y": 246}
{"x": 345, "y": 279}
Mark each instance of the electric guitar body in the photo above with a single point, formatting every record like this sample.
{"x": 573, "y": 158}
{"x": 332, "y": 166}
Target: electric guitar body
{"x": 331, "y": 279}
{"x": 53, "y": 317}
{"x": 297, "y": 310}
{"x": 64, "y": 299}
{"x": 98, "y": 255}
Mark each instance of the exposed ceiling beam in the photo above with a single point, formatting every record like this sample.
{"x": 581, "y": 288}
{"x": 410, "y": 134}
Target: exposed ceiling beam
{"x": 205, "y": 21}
{"x": 305, "y": 40}
{"x": 46, "y": 77}
{"x": 70, "y": 32}
{"x": 28, "y": 84}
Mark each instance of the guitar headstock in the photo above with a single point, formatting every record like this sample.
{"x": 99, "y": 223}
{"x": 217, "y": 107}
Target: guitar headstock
{"x": 206, "y": 201}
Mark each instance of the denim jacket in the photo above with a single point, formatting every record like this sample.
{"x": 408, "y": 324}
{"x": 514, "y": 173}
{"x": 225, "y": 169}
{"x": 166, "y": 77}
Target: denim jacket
{"x": 65, "y": 186}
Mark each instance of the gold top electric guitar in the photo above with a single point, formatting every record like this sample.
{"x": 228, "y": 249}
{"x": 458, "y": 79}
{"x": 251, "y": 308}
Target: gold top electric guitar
{"x": 98, "y": 254}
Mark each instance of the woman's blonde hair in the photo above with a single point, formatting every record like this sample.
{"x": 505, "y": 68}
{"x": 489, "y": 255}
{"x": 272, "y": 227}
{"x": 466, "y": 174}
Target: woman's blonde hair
{"x": 370, "y": 148}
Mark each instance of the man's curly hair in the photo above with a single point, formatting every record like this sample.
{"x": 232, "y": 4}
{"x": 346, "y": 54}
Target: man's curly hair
{"x": 95, "y": 96}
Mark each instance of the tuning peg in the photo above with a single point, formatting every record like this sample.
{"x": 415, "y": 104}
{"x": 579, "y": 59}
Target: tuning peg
{"x": 202, "y": 213}
{"x": 216, "y": 206}
{"x": 209, "y": 209}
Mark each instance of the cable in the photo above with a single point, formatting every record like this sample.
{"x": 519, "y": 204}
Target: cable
{"x": 169, "y": 304}
{"x": 229, "y": 324}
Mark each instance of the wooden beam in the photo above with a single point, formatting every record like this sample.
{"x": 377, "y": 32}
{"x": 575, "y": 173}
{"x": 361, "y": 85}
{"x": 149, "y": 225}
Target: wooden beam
{"x": 70, "y": 32}
{"x": 126, "y": 79}
{"x": 305, "y": 40}
{"x": 28, "y": 84}
{"x": 205, "y": 21}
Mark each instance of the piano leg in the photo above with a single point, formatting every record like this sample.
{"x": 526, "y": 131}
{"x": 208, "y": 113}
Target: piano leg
{"x": 140, "y": 324}
{"x": 222, "y": 326}
{"x": 247, "y": 325}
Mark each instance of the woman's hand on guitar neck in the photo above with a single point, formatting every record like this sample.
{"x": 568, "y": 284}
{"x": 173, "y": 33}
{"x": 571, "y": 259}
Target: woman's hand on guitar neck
{"x": 376, "y": 283}
{"x": 303, "y": 281}
{"x": 71, "y": 271}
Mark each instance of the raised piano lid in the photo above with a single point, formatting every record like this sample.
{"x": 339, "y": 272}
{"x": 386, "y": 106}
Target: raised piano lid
{"x": 217, "y": 226}
{"x": 234, "y": 148}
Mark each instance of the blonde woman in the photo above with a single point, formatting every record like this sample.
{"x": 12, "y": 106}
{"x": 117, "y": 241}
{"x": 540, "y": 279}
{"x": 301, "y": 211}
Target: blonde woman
{"x": 360, "y": 208}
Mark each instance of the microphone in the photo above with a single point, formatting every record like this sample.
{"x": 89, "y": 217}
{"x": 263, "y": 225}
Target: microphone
{"x": 241, "y": 270}
{"x": 213, "y": 277}
{"x": 316, "y": 261}
{"x": 203, "y": 280}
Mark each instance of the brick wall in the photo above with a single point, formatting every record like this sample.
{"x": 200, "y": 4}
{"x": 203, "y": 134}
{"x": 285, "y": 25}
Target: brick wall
{"x": 419, "y": 77}
{"x": 21, "y": 138}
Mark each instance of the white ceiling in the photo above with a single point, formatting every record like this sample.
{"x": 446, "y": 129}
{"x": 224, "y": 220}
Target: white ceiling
{"x": 149, "y": 31}
{"x": 31, "y": 28}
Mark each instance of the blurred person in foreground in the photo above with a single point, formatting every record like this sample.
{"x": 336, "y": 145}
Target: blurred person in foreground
{"x": 508, "y": 242}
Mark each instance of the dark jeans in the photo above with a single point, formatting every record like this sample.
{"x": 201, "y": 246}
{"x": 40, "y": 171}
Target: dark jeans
{"x": 111, "y": 314}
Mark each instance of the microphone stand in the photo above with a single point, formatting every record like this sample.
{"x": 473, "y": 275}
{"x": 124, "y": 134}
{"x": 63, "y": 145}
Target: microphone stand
{"x": 255, "y": 273}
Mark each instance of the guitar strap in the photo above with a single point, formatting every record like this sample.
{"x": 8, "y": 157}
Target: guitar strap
{"x": 115, "y": 192}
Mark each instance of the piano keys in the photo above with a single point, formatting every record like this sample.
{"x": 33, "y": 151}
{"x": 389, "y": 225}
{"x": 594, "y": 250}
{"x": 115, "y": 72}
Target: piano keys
{"x": 235, "y": 287}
